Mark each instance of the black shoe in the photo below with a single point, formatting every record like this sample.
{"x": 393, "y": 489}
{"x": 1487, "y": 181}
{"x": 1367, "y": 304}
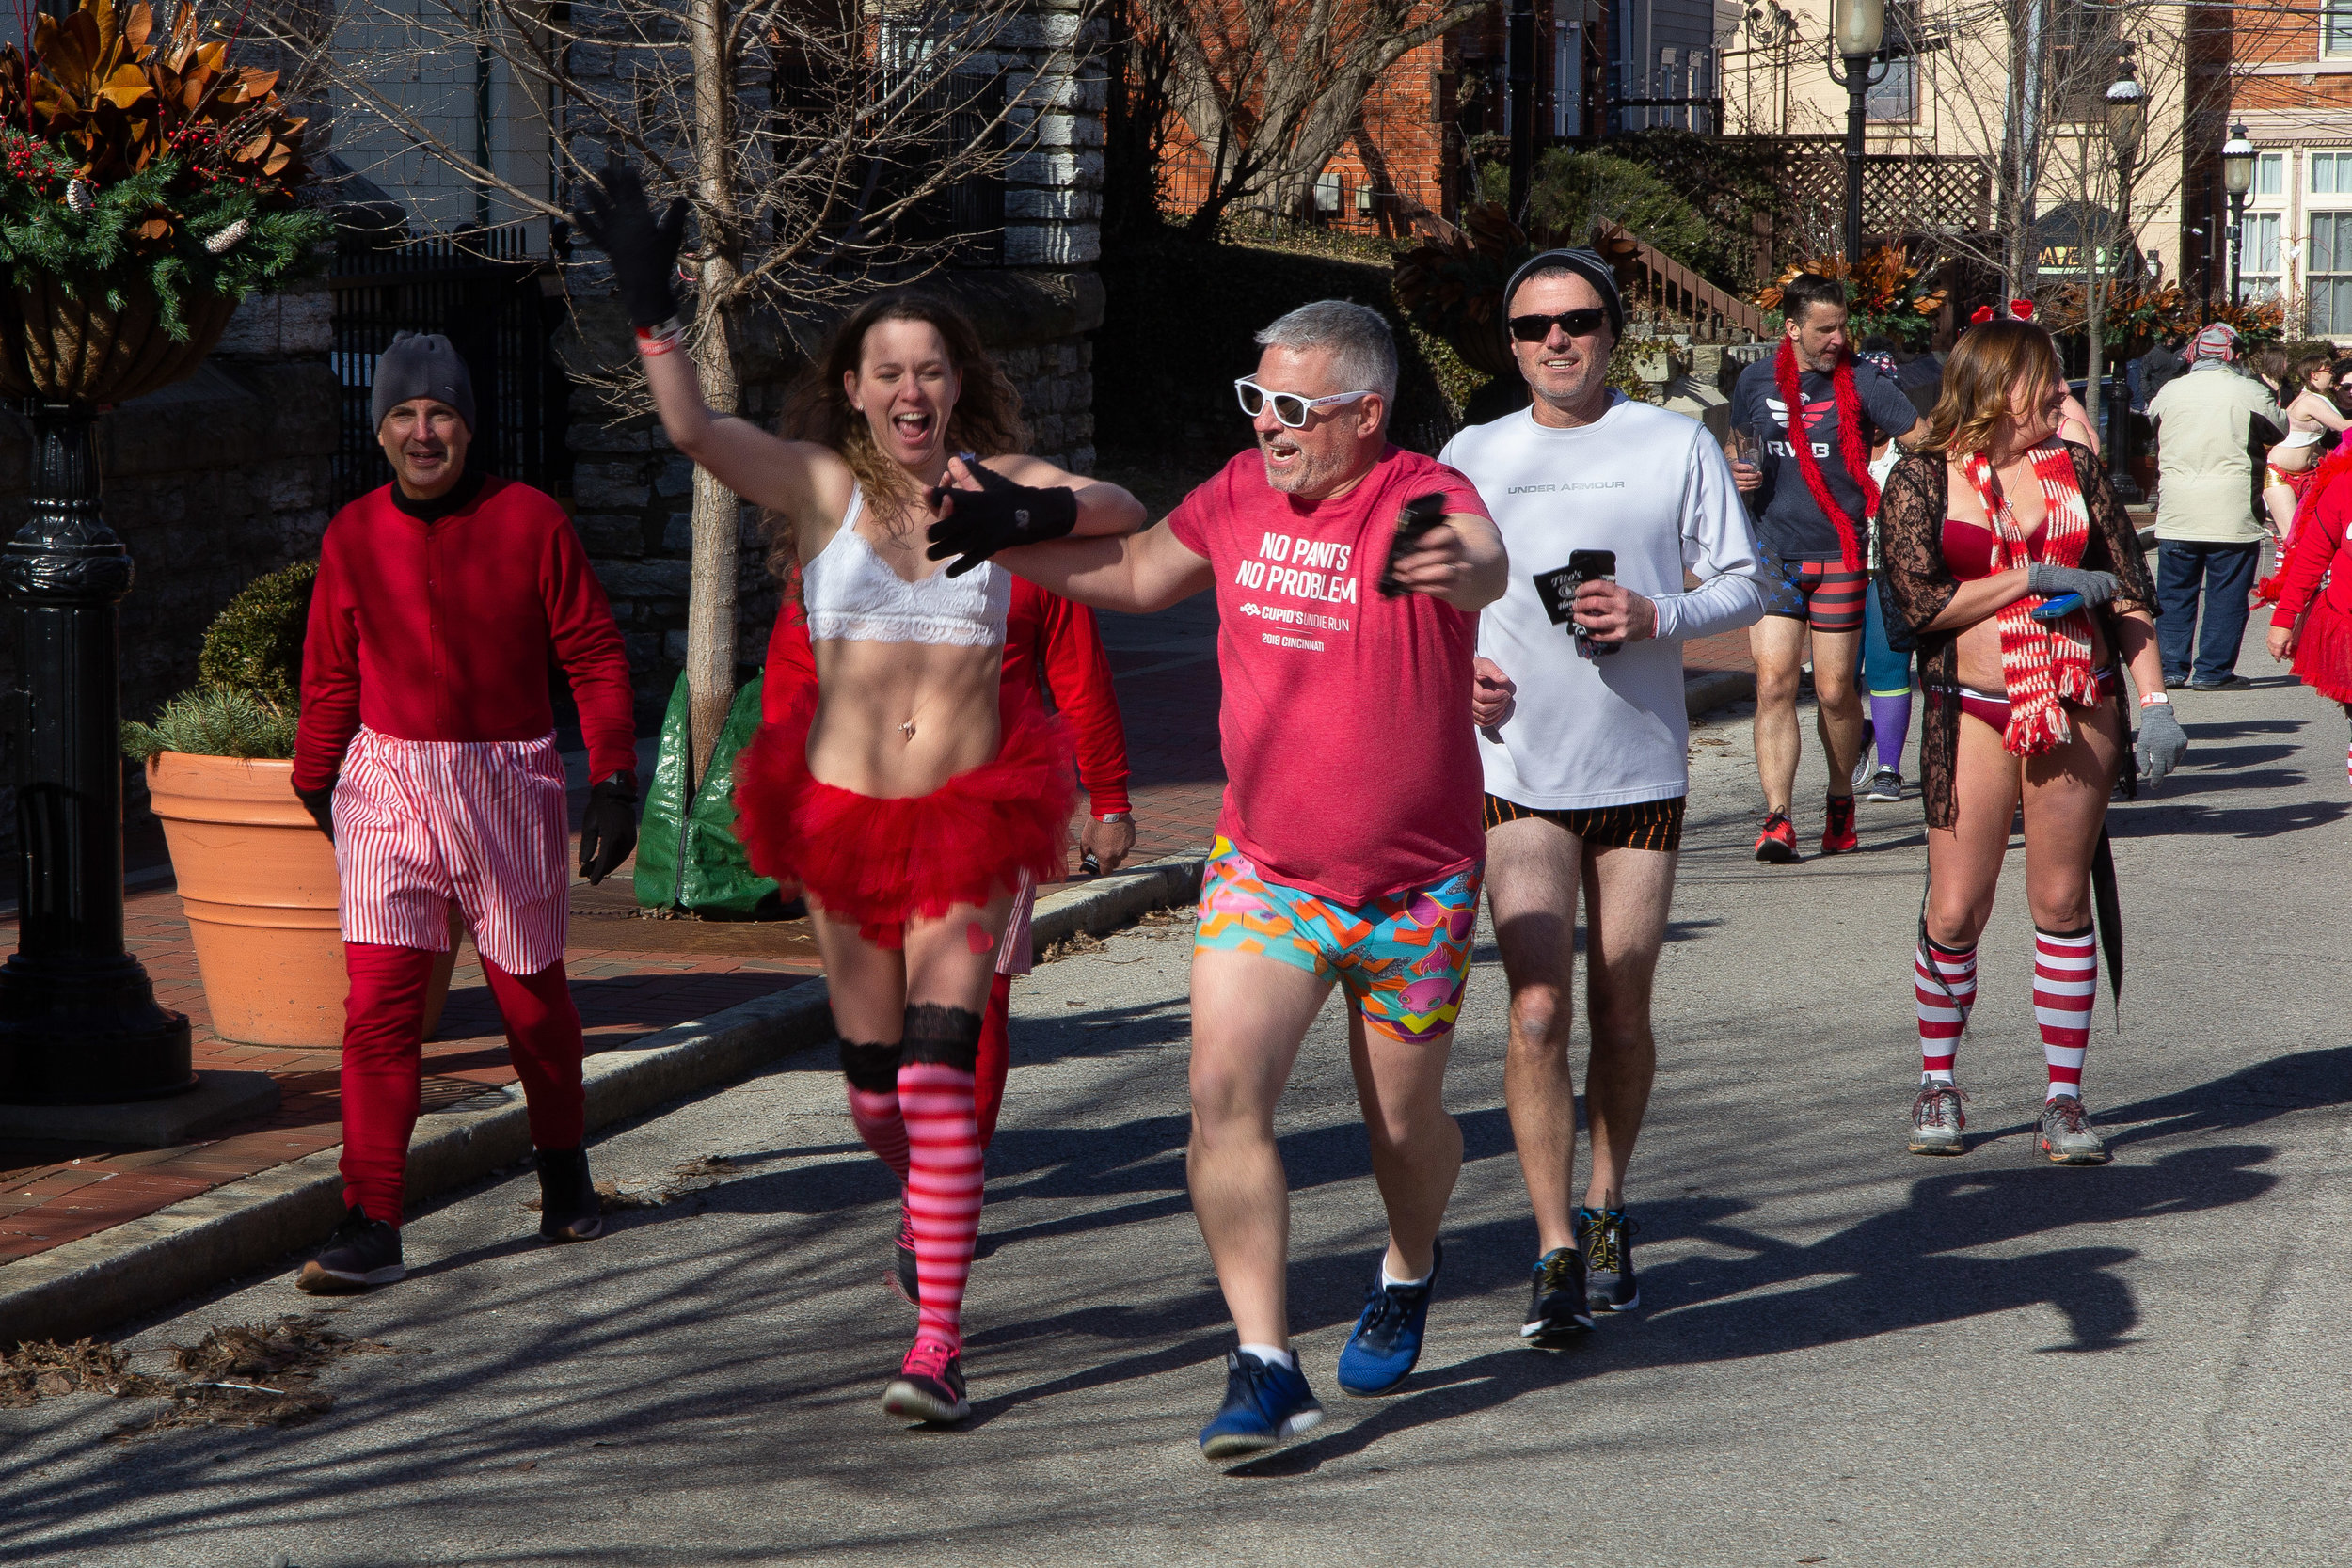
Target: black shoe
{"x": 2174, "y": 683}
{"x": 1607, "y": 1238}
{"x": 905, "y": 1277}
{"x": 360, "y": 1254}
{"x": 2226, "y": 683}
{"x": 1557, "y": 1315}
{"x": 930, "y": 1385}
{"x": 569, "y": 1210}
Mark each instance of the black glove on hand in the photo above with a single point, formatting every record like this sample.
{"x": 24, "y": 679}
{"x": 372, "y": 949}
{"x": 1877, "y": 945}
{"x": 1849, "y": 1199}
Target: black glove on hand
{"x": 2049, "y": 581}
{"x": 2161, "y": 741}
{"x": 998, "y": 515}
{"x": 608, "y": 830}
{"x": 619, "y": 221}
{"x": 320, "y": 803}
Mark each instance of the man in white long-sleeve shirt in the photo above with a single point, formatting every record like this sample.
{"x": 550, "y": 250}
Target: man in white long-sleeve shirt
{"x": 1583, "y": 733}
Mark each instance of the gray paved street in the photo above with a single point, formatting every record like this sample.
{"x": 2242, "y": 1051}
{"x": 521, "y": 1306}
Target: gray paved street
{"x": 1849, "y": 1355}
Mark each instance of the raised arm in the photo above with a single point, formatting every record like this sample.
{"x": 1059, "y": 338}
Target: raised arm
{"x": 1137, "y": 573}
{"x": 1103, "y": 507}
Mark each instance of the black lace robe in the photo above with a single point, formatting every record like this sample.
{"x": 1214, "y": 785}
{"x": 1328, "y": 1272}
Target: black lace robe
{"x": 1915, "y": 585}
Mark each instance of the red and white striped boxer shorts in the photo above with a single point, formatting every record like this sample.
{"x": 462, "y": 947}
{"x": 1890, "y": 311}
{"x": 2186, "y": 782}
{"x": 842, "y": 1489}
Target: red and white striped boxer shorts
{"x": 421, "y": 824}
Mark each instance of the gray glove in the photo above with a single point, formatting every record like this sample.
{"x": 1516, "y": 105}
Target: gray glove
{"x": 2161, "y": 742}
{"x": 2049, "y": 581}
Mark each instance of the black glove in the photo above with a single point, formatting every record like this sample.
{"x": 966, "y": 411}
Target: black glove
{"x": 320, "y": 803}
{"x": 619, "y": 221}
{"x": 2162, "y": 741}
{"x": 2049, "y": 581}
{"x": 608, "y": 830}
{"x": 998, "y": 515}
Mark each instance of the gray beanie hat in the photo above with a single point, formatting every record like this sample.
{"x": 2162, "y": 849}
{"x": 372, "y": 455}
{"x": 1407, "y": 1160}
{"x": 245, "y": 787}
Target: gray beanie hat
{"x": 421, "y": 365}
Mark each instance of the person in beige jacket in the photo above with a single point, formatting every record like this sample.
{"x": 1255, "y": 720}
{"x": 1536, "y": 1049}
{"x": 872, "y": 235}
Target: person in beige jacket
{"x": 2213, "y": 426}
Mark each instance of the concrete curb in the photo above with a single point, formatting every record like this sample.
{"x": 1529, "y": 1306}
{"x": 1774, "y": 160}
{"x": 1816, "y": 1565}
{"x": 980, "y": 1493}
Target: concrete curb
{"x": 91, "y": 1284}
{"x": 1702, "y": 694}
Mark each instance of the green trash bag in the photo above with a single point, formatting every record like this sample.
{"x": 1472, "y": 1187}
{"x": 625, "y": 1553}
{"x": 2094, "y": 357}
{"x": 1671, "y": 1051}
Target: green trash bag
{"x": 689, "y": 858}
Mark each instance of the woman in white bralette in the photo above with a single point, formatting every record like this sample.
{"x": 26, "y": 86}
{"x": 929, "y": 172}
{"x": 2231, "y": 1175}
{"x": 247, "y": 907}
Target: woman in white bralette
{"x": 2310, "y": 416}
{"x": 905, "y": 801}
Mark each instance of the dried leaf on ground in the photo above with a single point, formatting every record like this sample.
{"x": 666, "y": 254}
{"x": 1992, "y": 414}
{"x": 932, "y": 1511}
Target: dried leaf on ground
{"x": 252, "y": 1375}
{"x": 1068, "y": 946}
{"x": 45, "y": 1368}
{"x": 1184, "y": 916}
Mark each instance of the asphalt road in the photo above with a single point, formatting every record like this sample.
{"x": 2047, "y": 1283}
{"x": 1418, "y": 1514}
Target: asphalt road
{"x": 1848, "y": 1354}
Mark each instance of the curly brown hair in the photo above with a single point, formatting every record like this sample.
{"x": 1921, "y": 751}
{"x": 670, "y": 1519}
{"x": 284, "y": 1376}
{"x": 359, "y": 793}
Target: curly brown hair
{"x": 986, "y": 420}
{"x": 1983, "y": 365}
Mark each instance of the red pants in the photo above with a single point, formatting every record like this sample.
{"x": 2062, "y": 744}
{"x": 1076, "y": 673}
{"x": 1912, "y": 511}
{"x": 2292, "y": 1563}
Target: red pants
{"x": 383, "y": 1064}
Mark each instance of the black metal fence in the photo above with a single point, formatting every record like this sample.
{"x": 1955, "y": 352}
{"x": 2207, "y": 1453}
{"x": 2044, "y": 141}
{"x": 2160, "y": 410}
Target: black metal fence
{"x": 499, "y": 307}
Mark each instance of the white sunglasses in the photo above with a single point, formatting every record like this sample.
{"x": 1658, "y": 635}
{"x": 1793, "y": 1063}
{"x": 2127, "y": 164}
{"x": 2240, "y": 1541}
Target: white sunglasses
{"x": 1289, "y": 408}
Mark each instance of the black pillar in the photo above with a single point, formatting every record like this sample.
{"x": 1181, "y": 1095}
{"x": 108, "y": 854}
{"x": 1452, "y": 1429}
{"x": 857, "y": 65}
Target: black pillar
{"x": 1522, "y": 42}
{"x": 78, "y": 1019}
{"x": 1857, "y": 89}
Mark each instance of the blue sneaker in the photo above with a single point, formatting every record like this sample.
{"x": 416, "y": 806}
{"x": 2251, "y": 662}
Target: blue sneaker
{"x": 1265, "y": 1403}
{"x": 1387, "y": 1341}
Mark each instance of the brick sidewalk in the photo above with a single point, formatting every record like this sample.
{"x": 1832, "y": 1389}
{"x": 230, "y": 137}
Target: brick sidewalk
{"x": 631, "y": 978}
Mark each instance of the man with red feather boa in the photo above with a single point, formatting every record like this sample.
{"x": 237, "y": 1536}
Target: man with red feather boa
{"x": 1816, "y": 412}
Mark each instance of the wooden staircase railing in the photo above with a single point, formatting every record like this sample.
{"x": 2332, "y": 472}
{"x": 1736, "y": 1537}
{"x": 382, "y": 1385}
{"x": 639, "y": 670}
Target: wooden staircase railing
{"x": 1674, "y": 289}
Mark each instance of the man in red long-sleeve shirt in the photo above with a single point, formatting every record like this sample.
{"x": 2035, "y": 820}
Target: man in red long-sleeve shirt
{"x": 1051, "y": 644}
{"x": 427, "y": 753}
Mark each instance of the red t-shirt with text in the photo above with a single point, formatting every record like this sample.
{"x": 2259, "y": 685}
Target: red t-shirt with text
{"x": 1351, "y": 767}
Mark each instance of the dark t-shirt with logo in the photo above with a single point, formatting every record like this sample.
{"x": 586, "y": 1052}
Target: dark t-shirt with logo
{"x": 1789, "y": 523}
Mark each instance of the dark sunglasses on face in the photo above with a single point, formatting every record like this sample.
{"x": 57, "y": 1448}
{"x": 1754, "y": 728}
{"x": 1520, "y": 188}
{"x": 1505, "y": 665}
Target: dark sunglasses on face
{"x": 1576, "y": 323}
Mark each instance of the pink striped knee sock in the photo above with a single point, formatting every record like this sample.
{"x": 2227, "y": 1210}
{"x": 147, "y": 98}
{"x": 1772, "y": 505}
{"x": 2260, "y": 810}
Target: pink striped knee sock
{"x": 872, "y": 1072}
{"x": 1944, "y": 984}
{"x": 2065, "y": 982}
{"x": 942, "y": 1190}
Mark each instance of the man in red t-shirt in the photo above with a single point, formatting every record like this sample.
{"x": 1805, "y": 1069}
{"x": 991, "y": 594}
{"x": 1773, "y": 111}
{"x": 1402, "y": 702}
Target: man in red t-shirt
{"x": 1350, "y": 844}
{"x": 1049, "y": 644}
{"x": 426, "y": 752}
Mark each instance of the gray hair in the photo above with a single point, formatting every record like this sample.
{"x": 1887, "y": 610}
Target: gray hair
{"x": 1364, "y": 350}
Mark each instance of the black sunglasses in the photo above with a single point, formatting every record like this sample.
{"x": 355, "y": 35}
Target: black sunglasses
{"x": 1576, "y": 323}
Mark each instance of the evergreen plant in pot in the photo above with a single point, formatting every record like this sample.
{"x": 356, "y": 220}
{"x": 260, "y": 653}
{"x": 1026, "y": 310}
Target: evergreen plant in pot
{"x": 256, "y": 877}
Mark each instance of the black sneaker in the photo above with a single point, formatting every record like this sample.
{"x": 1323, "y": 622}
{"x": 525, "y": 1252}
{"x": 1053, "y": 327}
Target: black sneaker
{"x": 904, "y": 1277}
{"x": 360, "y": 1254}
{"x": 2226, "y": 683}
{"x": 930, "y": 1385}
{"x": 1607, "y": 1238}
{"x": 1557, "y": 1313}
{"x": 569, "y": 1208}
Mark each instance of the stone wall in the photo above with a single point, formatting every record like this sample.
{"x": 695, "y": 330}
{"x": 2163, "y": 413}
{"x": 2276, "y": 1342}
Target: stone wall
{"x": 210, "y": 481}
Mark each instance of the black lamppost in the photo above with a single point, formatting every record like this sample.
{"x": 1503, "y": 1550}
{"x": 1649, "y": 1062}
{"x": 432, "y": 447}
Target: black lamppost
{"x": 2127, "y": 121}
{"x": 2237, "y": 178}
{"x": 1857, "y": 28}
{"x": 79, "y": 1023}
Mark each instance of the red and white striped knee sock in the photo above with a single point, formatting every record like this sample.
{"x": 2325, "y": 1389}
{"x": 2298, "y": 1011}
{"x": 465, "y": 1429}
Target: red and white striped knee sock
{"x": 1943, "y": 984}
{"x": 872, "y": 1072}
{"x": 942, "y": 1190}
{"x": 2065, "y": 982}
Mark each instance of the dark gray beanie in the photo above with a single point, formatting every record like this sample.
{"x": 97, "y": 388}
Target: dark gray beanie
{"x": 1587, "y": 265}
{"x": 421, "y": 365}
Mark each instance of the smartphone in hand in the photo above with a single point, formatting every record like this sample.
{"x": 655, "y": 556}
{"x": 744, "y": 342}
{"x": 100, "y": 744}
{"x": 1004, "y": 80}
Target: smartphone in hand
{"x": 1421, "y": 515}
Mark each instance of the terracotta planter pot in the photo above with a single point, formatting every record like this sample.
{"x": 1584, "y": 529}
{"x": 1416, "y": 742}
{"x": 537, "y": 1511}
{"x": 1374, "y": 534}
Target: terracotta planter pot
{"x": 258, "y": 881}
{"x": 67, "y": 350}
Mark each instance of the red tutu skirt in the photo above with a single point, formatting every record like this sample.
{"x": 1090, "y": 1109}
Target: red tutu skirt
{"x": 2323, "y": 656}
{"x": 883, "y": 863}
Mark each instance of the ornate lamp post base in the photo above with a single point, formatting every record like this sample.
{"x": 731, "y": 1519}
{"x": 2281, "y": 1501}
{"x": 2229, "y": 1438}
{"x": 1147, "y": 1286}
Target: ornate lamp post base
{"x": 79, "y": 1023}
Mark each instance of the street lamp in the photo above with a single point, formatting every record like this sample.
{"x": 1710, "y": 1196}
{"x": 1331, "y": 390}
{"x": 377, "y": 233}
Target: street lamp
{"x": 2237, "y": 178}
{"x": 1857, "y": 29}
{"x": 2127, "y": 121}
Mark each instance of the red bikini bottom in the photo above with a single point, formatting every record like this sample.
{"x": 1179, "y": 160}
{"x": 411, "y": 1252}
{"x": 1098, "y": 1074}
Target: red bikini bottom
{"x": 1993, "y": 706}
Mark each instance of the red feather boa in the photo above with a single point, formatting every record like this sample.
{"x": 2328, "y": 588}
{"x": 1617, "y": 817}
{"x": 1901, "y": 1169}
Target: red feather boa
{"x": 1791, "y": 387}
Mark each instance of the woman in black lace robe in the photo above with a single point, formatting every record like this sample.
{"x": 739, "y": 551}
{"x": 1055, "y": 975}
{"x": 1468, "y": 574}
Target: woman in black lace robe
{"x": 2003, "y": 395}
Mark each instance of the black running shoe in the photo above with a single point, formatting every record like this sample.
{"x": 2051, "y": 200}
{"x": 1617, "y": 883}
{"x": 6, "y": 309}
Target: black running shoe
{"x": 1557, "y": 1315}
{"x": 1607, "y": 1237}
{"x": 930, "y": 1385}
{"x": 360, "y": 1254}
{"x": 569, "y": 1208}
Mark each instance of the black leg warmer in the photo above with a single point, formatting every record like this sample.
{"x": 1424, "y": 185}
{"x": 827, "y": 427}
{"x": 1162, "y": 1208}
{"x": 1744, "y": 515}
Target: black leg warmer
{"x": 950, "y": 1037}
{"x": 869, "y": 1066}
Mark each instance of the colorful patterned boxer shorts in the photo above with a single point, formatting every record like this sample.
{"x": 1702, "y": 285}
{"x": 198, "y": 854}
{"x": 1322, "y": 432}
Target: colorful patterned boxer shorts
{"x": 1403, "y": 960}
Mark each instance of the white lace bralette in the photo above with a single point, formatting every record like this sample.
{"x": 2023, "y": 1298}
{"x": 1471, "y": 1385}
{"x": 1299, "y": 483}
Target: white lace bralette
{"x": 852, "y": 595}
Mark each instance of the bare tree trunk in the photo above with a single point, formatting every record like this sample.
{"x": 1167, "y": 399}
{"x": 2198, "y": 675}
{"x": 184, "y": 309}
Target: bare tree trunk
{"x": 717, "y": 528}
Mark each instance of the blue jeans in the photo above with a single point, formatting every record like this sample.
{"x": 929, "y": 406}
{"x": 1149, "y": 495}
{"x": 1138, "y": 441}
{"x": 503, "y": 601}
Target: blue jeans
{"x": 2226, "y": 576}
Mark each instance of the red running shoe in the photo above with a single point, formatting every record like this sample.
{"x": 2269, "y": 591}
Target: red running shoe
{"x": 1777, "y": 844}
{"x": 1838, "y": 831}
{"x": 930, "y": 1385}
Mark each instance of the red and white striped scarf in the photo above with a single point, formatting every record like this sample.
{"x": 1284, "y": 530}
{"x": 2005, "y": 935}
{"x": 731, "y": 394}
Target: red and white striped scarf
{"x": 1788, "y": 380}
{"x": 2044, "y": 664}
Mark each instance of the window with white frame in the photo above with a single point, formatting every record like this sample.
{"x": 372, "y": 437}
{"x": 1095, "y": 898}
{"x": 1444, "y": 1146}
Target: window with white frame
{"x": 2335, "y": 28}
{"x": 2258, "y": 254}
{"x": 2270, "y": 175}
{"x": 2331, "y": 172}
{"x": 2327, "y": 281}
